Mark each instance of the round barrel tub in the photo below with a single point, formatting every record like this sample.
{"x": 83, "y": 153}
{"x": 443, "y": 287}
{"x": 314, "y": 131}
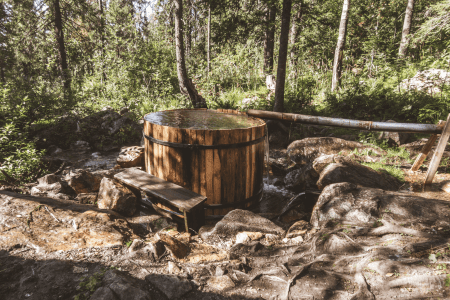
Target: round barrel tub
{"x": 216, "y": 153}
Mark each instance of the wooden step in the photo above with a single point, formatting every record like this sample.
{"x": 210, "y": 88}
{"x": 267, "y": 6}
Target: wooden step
{"x": 167, "y": 193}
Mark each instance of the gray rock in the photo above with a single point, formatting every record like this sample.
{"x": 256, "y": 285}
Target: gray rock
{"x": 49, "y": 179}
{"x": 83, "y": 182}
{"x": 322, "y": 161}
{"x": 353, "y": 172}
{"x": 173, "y": 268}
{"x": 131, "y": 157}
{"x": 307, "y": 150}
{"x": 236, "y": 221}
{"x": 136, "y": 245}
{"x": 128, "y": 292}
{"x": 103, "y": 293}
{"x": 170, "y": 285}
{"x": 395, "y": 138}
{"x": 299, "y": 179}
{"x": 113, "y": 195}
{"x": 363, "y": 206}
{"x": 220, "y": 283}
{"x": 52, "y": 186}
{"x": 86, "y": 198}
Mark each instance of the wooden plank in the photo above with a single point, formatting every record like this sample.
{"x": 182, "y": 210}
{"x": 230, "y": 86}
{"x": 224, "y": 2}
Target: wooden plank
{"x": 195, "y": 165}
{"x": 148, "y": 147}
{"x": 202, "y": 162}
{"x": 231, "y": 163}
{"x": 165, "y": 154}
{"x": 217, "y": 169}
{"x": 225, "y": 168}
{"x": 434, "y": 163}
{"x": 253, "y": 157}
{"x": 424, "y": 152}
{"x": 209, "y": 155}
{"x": 155, "y": 150}
{"x": 164, "y": 191}
{"x": 248, "y": 163}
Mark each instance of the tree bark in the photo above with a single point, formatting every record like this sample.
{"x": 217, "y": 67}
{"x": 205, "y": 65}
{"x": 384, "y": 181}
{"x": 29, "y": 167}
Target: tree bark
{"x": 339, "y": 52}
{"x": 406, "y": 28}
{"x": 295, "y": 30}
{"x": 282, "y": 56}
{"x": 209, "y": 40}
{"x": 189, "y": 28}
{"x": 65, "y": 75}
{"x": 186, "y": 85}
{"x": 102, "y": 40}
{"x": 269, "y": 41}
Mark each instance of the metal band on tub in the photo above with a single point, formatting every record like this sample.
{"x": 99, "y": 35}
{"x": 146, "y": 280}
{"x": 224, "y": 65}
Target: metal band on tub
{"x": 197, "y": 146}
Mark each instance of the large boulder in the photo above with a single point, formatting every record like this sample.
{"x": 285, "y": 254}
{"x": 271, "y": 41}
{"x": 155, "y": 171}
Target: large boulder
{"x": 348, "y": 171}
{"x": 364, "y": 206}
{"x": 85, "y": 182}
{"x": 237, "y": 221}
{"x": 131, "y": 157}
{"x": 307, "y": 150}
{"x": 115, "y": 196}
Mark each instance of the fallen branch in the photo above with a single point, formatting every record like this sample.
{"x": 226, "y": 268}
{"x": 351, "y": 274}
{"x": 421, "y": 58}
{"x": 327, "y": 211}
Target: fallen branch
{"x": 30, "y": 215}
{"x": 46, "y": 208}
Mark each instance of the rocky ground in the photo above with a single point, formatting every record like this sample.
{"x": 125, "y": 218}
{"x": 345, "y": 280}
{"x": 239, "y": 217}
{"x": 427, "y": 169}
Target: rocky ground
{"x": 327, "y": 227}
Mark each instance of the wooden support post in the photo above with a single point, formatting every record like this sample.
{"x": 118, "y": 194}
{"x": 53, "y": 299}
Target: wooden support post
{"x": 186, "y": 221}
{"x": 424, "y": 152}
{"x": 434, "y": 164}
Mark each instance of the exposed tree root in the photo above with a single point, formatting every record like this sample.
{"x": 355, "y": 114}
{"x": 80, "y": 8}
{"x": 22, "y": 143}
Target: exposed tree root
{"x": 389, "y": 228}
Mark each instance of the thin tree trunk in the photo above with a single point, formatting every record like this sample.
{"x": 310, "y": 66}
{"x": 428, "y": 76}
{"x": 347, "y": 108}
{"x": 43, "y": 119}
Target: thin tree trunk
{"x": 269, "y": 42}
{"x": 2, "y": 71}
{"x": 295, "y": 30}
{"x": 189, "y": 28}
{"x": 61, "y": 48}
{"x": 102, "y": 40}
{"x": 406, "y": 28}
{"x": 282, "y": 56}
{"x": 186, "y": 86}
{"x": 339, "y": 52}
{"x": 209, "y": 41}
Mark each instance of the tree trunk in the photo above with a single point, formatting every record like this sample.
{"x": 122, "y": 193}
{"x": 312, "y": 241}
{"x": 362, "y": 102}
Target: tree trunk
{"x": 189, "y": 29}
{"x": 209, "y": 41}
{"x": 269, "y": 41}
{"x": 339, "y": 52}
{"x": 282, "y": 56}
{"x": 102, "y": 40}
{"x": 406, "y": 28}
{"x": 61, "y": 49}
{"x": 295, "y": 30}
{"x": 186, "y": 86}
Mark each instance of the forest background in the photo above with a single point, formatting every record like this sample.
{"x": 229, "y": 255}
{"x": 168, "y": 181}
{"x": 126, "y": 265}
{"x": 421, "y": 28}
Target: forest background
{"x": 62, "y": 58}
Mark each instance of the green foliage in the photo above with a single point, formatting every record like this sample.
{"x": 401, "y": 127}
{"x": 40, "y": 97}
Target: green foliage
{"x": 88, "y": 285}
{"x": 20, "y": 161}
{"x": 391, "y": 170}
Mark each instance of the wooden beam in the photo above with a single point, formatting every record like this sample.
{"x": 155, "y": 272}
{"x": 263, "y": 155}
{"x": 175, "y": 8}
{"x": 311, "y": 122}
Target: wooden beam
{"x": 425, "y": 150}
{"x": 434, "y": 164}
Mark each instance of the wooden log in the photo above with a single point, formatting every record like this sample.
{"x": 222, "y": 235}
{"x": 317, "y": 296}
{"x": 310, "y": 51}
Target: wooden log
{"x": 434, "y": 163}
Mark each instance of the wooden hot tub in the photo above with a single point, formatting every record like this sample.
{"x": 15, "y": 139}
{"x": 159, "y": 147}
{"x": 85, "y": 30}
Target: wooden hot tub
{"x": 218, "y": 154}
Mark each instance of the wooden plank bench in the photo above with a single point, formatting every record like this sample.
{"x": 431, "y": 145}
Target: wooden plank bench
{"x": 168, "y": 194}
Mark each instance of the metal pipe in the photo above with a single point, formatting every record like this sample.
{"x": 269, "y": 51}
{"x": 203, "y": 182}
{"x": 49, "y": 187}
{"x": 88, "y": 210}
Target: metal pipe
{"x": 347, "y": 123}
